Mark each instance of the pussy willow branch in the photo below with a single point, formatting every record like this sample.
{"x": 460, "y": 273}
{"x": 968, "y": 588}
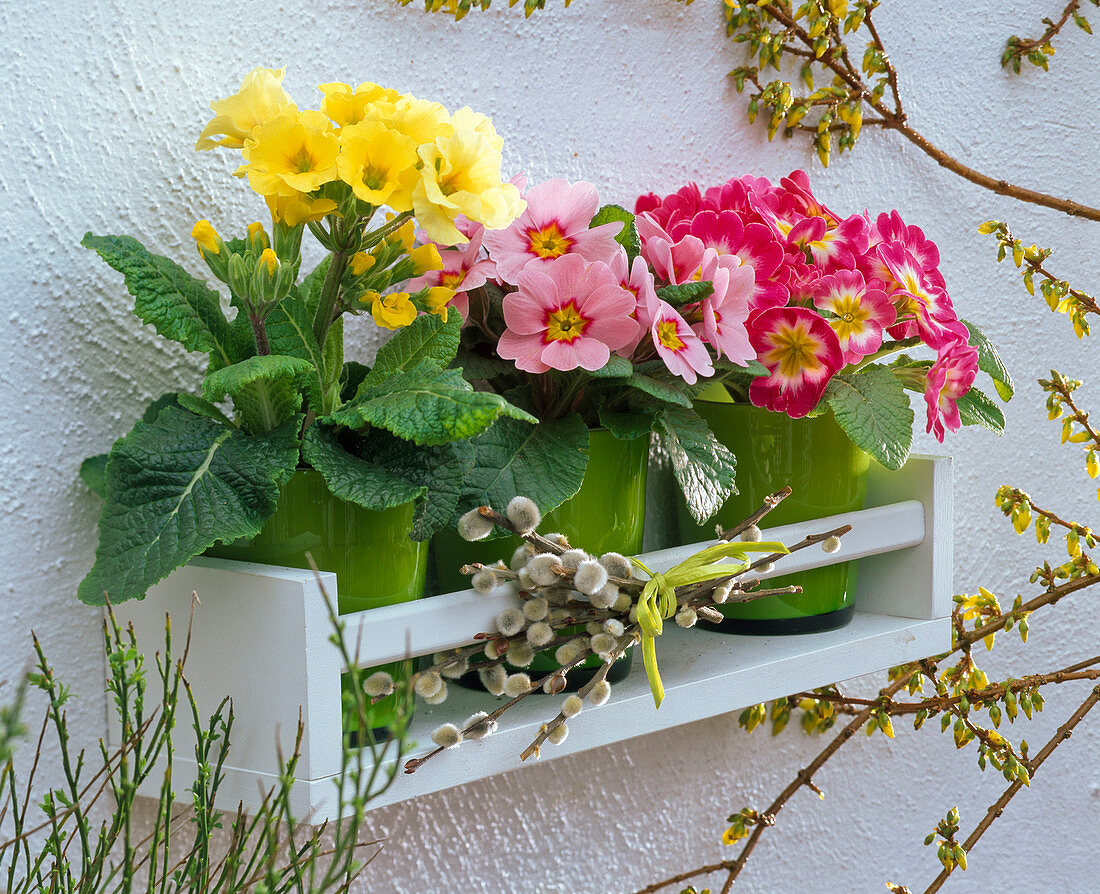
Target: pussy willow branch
{"x": 770, "y": 502}
{"x": 897, "y": 120}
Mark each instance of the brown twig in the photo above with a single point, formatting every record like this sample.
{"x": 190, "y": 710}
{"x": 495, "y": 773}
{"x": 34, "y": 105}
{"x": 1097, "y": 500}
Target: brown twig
{"x": 998, "y": 806}
{"x": 896, "y": 120}
{"x": 770, "y": 502}
{"x": 1019, "y": 48}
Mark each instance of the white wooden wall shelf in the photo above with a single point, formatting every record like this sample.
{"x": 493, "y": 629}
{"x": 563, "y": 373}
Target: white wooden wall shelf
{"x": 261, "y": 636}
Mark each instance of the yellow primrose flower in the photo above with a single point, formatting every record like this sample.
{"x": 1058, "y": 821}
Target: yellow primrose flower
{"x": 467, "y": 119}
{"x": 461, "y": 175}
{"x": 425, "y": 258}
{"x": 421, "y": 120}
{"x": 346, "y": 106}
{"x": 207, "y": 237}
{"x": 404, "y": 235}
{"x": 378, "y": 163}
{"x": 294, "y": 152}
{"x": 438, "y": 299}
{"x": 270, "y": 260}
{"x": 361, "y": 262}
{"x": 260, "y": 99}
{"x": 393, "y": 311}
{"x": 298, "y": 209}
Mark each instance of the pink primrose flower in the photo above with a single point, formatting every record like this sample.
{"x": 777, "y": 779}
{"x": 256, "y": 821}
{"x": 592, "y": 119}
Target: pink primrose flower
{"x": 566, "y": 314}
{"x": 465, "y": 267}
{"x": 554, "y": 224}
{"x": 949, "y": 379}
{"x": 920, "y": 296}
{"x": 801, "y": 352}
{"x": 637, "y": 280}
{"x": 860, "y": 312}
{"x": 678, "y": 346}
{"x": 683, "y": 204}
{"x": 725, "y": 311}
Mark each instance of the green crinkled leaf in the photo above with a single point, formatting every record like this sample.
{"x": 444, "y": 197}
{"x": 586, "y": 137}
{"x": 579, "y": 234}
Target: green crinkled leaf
{"x": 170, "y": 399}
{"x": 351, "y": 378}
{"x": 427, "y": 342}
{"x": 167, "y": 297}
{"x": 442, "y": 470}
{"x": 545, "y": 462}
{"x": 312, "y": 284}
{"x": 201, "y": 407}
{"x": 976, "y": 408}
{"x": 686, "y": 293}
{"x": 873, "y": 409}
{"x": 615, "y": 368}
{"x": 663, "y": 391}
{"x": 265, "y": 389}
{"x": 426, "y": 405}
{"x": 352, "y": 478}
{"x": 627, "y": 426}
{"x": 704, "y": 468}
{"x": 176, "y": 487}
{"x": 93, "y": 472}
{"x": 990, "y": 362}
{"x": 290, "y": 333}
{"x": 628, "y": 236}
{"x": 478, "y": 366}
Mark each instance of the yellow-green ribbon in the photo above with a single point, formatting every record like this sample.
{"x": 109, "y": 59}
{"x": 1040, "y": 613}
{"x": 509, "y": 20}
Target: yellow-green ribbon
{"x": 658, "y": 599}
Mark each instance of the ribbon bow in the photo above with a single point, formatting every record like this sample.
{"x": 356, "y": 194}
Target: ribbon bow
{"x": 658, "y": 599}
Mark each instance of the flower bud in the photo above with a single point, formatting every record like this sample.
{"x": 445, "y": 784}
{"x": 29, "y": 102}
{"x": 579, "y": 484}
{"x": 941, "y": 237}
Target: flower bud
{"x": 524, "y": 514}
{"x": 520, "y": 654}
{"x": 516, "y": 685}
{"x": 590, "y": 578}
{"x": 510, "y": 621}
{"x": 617, "y": 565}
{"x": 492, "y": 678}
{"x": 600, "y": 693}
{"x": 752, "y": 534}
{"x": 484, "y": 581}
{"x": 535, "y": 609}
{"x": 478, "y": 726}
{"x": 831, "y": 545}
{"x": 474, "y": 526}
{"x": 554, "y": 684}
{"x": 558, "y": 734}
{"x": 539, "y": 634}
{"x": 572, "y": 706}
{"x": 378, "y": 684}
{"x": 447, "y": 736}
{"x": 541, "y": 570}
{"x": 427, "y": 684}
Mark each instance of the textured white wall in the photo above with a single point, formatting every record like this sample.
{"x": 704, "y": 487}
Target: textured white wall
{"x": 101, "y": 102}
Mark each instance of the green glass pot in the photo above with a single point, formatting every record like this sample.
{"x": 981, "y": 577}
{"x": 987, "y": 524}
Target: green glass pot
{"x": 607, "y": 514}
{"x": 827, "y": 475}
{"x": 370, "y": 553}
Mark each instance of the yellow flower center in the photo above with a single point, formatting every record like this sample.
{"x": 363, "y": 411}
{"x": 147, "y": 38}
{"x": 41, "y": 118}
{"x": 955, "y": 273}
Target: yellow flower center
{"x": 565, "y": 324}
{"x": 549, "y": 242}
{"x": 795, "y": 351}
{"x": 452, "y": 280}
{"x": 851, "y": 315}
{"x": 303, "y": 162}
{"x": 668, "y": 335}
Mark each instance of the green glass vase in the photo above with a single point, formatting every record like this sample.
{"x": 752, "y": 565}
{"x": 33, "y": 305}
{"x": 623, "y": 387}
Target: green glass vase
{"x": 606, "y": 515}
{"x": 370, "y": 552}
{"x": 827, "y": 475}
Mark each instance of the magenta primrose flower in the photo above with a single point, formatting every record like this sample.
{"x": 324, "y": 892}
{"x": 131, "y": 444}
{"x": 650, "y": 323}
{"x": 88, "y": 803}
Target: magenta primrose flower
{"x": 555, "y": 224}
{"x": 566, "y": 314}
{"x": 801, "y": 352}
{"x": 949, "y": 379}
{"x": 860, "y": 312}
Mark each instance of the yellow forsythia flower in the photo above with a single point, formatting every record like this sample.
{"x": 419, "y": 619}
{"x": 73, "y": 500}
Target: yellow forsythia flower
{"x": 393, "y": 311}
{"x": 346, "y": 106}
{"x": 260, "y": 98}
{"x": 207, "y": 237}
{"x": 295, "y": 152}
{"x": 379, "y": 164}
{"x": 425, "y": 258}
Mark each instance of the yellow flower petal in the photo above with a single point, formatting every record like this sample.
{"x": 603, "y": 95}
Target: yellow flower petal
{"x": 260, "y": 98}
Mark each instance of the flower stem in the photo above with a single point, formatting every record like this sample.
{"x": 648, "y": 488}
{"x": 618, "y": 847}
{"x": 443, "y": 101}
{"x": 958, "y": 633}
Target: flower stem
{"x": 259, "y": 333}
